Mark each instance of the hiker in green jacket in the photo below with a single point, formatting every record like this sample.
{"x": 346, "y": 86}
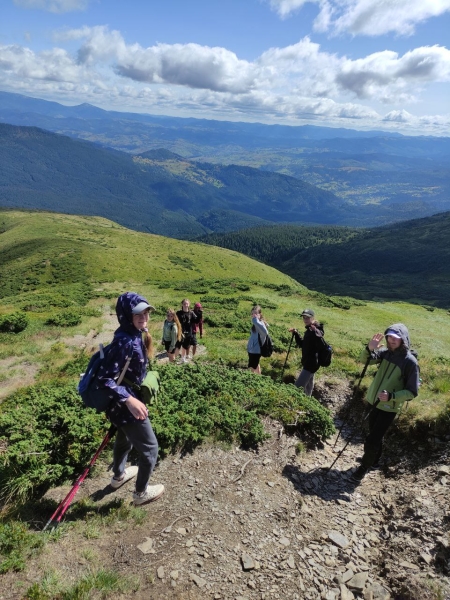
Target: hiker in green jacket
{"x": 396, "y": 382}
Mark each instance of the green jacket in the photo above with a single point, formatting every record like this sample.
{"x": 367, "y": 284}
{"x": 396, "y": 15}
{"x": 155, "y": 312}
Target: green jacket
{"x": 398, "y": 373}
{"x": 170, "y": 333}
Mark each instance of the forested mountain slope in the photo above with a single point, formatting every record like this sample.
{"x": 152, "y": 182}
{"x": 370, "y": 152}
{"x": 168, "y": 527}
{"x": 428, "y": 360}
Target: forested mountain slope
{"x": 42, "y": 170}
{"x": 405, "y": 261}
{"x": 380, "y": 177}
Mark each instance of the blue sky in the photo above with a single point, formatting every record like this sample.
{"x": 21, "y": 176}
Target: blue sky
{"x": 364, "y": 64}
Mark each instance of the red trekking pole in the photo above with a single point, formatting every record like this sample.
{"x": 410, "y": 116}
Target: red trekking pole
{"x": 56, "y": 517}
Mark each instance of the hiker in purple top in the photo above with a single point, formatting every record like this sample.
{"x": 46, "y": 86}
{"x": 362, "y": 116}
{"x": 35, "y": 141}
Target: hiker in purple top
{"x": 132, "y": 345}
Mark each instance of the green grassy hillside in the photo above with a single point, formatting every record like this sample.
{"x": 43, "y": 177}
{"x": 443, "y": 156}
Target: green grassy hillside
{"x": 406, "y": 261}
{"x": 62, "y": 274}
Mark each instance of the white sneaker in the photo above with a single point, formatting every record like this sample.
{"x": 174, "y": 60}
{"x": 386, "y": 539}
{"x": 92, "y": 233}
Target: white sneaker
{"x": 128, "y": 474}
{"x": 152, "y": 493}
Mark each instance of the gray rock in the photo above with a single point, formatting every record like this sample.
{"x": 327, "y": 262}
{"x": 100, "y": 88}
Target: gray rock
{"x": 291, "y": 562}
{"x": 346, "y": 594}
{"x": 284, "y": 541}
{"x": 338, "y": 539}
{"x": 174, "y": 575}
{"x": 160, "y": 572}
{"x": 347, "y": 575}
{"x": 147, "y": 546}
{"x": 377, "y": 591}
{"x": 197, "y": 580}
{"x": 247, "y": 562}
{"x": 358, "y": 581}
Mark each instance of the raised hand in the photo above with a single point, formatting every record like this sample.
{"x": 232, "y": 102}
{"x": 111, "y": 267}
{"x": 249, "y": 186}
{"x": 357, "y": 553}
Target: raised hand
{"x": 375, "y": 342}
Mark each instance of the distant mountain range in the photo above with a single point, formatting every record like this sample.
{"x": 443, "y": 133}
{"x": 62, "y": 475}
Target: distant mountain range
{"x": 407, "y": 261}
{"x": 159, "y": 193}
{"x": 379, "y": 177}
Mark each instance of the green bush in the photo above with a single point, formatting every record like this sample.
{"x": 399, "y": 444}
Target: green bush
{"x": 66, "y": 318}
{"x": 46, "y": 437}
{"x": 213, "y": 401}
{"x": 17, "y": 543}
{"x": 14, "y": 323}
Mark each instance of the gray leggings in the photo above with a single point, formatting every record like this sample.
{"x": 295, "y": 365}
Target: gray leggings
{"x": 140, "y": 436}
{"x": 306, "y": 381}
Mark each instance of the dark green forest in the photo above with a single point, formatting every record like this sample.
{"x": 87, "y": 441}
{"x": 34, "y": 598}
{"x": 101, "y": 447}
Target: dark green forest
{"x": 407, "y": 261}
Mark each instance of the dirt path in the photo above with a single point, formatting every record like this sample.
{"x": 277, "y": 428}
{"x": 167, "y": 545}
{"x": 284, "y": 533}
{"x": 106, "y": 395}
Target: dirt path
{"x": 270, "y": 524}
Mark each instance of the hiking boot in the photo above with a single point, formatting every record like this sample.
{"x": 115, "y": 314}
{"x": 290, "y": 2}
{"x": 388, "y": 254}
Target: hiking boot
{"x": 359, "y": 474}
{"x": 152, "y": 493}
{"x": 128, "y": 474}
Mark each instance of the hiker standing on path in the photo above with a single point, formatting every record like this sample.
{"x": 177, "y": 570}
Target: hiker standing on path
{"x": 197, "y": 326}
{"x": 396, "y": 381}
{"x": 258, "y": 336}
{"x": 171, "y": 337}
{"x": 187, "y": 318}
{"x": 310, "y": 344}
{"x": 126, "y": 411}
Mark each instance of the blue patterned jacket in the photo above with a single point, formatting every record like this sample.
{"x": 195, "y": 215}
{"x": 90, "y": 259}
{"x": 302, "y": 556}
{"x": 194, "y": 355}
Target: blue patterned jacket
{"x": 127, "y": 342}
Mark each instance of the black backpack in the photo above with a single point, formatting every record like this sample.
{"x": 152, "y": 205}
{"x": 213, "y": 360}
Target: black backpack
{"x": 324, "y": 354}
{"x": 267, "y": 347}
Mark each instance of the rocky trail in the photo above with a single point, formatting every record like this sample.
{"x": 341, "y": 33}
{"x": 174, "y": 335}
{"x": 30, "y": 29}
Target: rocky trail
{"x": 271, "y": 524}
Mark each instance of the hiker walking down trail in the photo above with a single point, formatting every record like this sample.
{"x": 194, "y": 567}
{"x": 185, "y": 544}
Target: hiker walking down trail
{"x": 132, "y": 345}
{"x": 187, "y": 318}
{"x": 396, "y": 382}
{"x": 197, "y": 327}
{"x": 171, "y": 337}
{"x": 258, "y": 334}
{"x": 310, "y": 344}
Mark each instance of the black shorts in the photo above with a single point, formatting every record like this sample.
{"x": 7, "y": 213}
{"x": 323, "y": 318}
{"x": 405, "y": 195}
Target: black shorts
{"x": 194, "y": 340}
{"x": 253, "y": 360}
{"x": 167, "y": 346}
{"x": 187, "y": 341}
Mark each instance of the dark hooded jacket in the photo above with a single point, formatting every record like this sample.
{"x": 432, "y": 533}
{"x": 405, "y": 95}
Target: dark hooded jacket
{"x": 127, "y": 342}
{"x": 310, "y": 344}
{"x": 398, "y": 372}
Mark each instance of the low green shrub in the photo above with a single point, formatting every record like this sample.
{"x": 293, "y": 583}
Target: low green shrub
{"x": 46, "y": 436}
{"x": 14, "y": 322}
{"x": 214, "y": 401}
{"x": 17, "y": 544}
{"x": 66, "y": 318}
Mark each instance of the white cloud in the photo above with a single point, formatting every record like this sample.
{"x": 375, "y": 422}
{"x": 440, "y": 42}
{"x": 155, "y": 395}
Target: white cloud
{"x": 54, "y": 6}
{"x": 391, "y": 78}
{"x": 399, "y": 116}
{"x": 367, "y": 17}
{"x": 299, "y": 81}
{"x": 285, "y": 7}
{"x": 50, "y": 65}
{"x": 188, "y": 65}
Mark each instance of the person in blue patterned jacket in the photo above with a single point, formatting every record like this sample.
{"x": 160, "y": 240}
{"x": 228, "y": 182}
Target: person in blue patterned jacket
{"x": 132, "y": 344}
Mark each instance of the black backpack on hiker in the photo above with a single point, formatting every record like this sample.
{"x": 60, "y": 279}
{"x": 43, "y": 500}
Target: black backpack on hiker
{"x": 267, "y": 347}
{"x": 324, "y": 354}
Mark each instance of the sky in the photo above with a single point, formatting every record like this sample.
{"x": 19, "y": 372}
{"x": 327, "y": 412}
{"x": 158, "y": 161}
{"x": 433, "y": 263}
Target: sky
{"x": 360, "y": 64}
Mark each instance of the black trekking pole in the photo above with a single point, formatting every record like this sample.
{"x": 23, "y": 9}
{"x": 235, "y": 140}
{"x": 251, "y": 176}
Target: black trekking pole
{"x": 355, "y": 389}
{"x": 287, "y": 355}
{"x": 56, "y": 517}
{"x": 369, "y": 412}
